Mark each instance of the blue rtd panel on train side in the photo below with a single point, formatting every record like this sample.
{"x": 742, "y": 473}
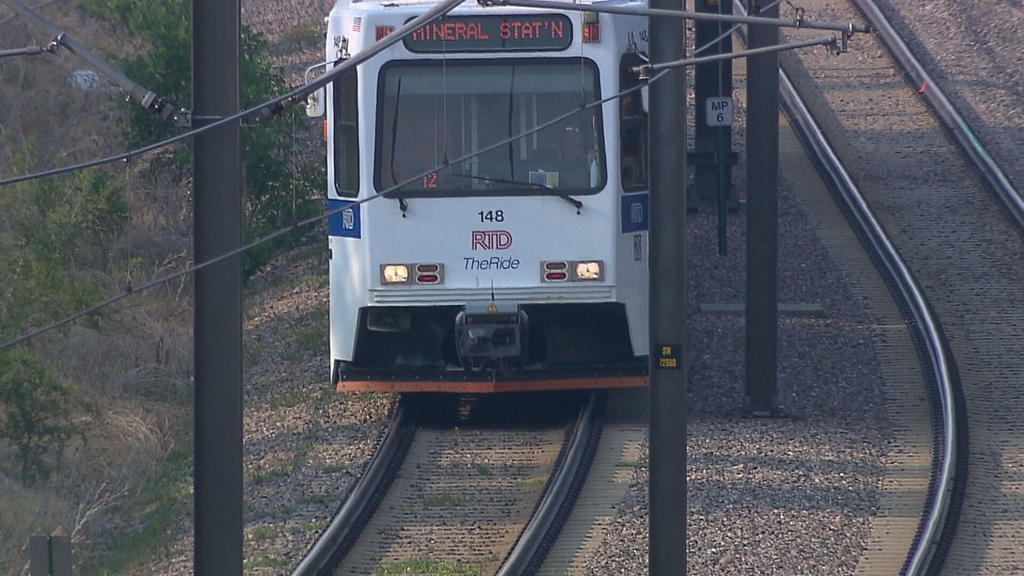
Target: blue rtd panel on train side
{"x": 635, "y": 217}
{"x": 343, "y": 219}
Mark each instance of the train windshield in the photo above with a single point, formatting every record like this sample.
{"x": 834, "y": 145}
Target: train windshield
{"x": 433, "y": 113}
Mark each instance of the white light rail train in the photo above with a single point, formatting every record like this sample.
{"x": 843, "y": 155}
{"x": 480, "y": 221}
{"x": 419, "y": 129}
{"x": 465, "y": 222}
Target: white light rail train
{"x": 524, "y": 267}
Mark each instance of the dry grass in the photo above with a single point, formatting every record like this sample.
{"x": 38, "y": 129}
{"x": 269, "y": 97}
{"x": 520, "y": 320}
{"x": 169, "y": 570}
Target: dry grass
{"x": 122, "y": 495}
{"x": 24, "y": 510}
{"x": 133, "y": 377}
{"x": 93, "y": 484}
{"x": 142, "y": 352}
{"x": 66, "y": 125}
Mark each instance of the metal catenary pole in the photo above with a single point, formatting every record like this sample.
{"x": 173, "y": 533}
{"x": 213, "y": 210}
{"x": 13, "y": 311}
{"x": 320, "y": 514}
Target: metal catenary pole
{"x": 762, "y": 215}
{"x": 218, "y": 291}
{"x": 711, "y": 80}
{"x": 667, "y": 142}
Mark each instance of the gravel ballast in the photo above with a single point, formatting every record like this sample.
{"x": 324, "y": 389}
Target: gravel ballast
{"x": 791, "y": 495}
{"x": 784, "y": 496}
{"x": 972, "y": 50}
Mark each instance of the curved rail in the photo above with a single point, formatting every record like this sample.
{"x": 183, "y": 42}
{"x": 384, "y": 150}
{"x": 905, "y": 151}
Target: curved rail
{"x": 559, "y": 495}
{"x": 922, "y": 320}
{"x": 944, "y": 109}
{"x": 350, "y": 519}
{"x": 934, "y": 532}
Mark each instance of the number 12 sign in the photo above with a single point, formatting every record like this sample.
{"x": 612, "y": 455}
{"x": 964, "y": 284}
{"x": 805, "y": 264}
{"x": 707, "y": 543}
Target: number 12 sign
{"x": 719, "y": 111}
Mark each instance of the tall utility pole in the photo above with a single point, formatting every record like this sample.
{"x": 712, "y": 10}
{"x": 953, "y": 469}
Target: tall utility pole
{"x": 712, "y": 142}
{"x": 667, "y": 143}
{"x": 711, "y": 80}
{"x": 218, "y": 291}
{"x": 762, "y": 213}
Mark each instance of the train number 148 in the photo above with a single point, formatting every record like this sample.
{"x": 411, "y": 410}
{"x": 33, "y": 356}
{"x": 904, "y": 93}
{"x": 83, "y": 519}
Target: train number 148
{"x": 491, "y": 216}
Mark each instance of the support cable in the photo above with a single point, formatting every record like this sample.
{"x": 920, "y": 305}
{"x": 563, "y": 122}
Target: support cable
{"x": 147, "y": 98}
{"x": 830, "y": 41}
{"x": 267, "y": 109}
{"x": 726, "y": 34}
{"x": 275, "y": 106}
{"x": 313, "y": 219}
{"x": 389, "y": 192}
{"x": 848, "y": 28}
{"x": 26, "y": 51}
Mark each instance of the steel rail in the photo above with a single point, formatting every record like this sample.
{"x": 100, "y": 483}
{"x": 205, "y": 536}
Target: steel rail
{"x": 922, "y": 319}
{"x": 363, "y": 499}
{"x": 945, "y": 110}
{"x": 559, "y": 495}
{"x": 925, "y": 556}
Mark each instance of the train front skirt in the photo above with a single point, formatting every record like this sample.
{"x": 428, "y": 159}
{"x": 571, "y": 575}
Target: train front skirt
{"x": 493, "y": 381}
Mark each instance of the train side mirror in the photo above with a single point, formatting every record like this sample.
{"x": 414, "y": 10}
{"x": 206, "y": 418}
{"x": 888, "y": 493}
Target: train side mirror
{"x": 315, "y": 104}
{"x": 640, "y": 65}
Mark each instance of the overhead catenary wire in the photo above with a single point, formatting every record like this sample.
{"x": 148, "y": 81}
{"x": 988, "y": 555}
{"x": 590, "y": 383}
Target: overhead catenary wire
{"x": 267, "y": 109}
{"x": 147, "y": 98}
{"x": 313, "y": 219}
{"x": 725, "y": 34}
{"x": 36, "y": 7}
{"x": 271, "y": 107}
{"x": 825, "y": 41}
{"x": 849, "y": 27}
{"x": 355, "y": 60}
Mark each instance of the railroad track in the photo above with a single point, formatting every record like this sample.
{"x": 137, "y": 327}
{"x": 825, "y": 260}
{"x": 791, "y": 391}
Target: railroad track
{"x": 964, "y": 251}
{"x": 983, "y": 320}
{"x": 461, "y": 495}
{"x": 948, "y": 472}
{"x": 933, "y": 541}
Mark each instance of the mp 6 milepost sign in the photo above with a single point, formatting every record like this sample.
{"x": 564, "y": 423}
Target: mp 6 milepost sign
{"x": 719, "y": 111}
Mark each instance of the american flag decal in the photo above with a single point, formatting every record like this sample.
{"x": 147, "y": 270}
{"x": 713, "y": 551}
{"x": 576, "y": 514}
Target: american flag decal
{"x": 357, "y": 24}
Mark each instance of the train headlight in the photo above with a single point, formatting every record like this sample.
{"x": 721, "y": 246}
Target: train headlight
{"x": 394, "y": 274}
{"x": 589, "y": 270}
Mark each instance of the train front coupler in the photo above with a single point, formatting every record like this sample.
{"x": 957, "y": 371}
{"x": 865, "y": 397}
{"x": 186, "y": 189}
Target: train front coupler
{"x": 491, "y": 335}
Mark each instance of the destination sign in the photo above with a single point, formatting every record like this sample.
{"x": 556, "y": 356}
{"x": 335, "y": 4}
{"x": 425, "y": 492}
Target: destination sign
{"x": 510, "y": 33}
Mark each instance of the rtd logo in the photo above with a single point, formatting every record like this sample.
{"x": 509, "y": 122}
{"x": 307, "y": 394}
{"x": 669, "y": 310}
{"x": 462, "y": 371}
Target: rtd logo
{"x": 491, "y": 240}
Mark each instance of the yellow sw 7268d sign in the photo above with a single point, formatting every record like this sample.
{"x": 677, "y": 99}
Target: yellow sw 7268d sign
{"x": 668, "y": 356}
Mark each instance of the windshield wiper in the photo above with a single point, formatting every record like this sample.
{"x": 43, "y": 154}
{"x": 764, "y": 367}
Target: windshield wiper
{"x": 402, "y": 204}
{"x": 576, "y": 203}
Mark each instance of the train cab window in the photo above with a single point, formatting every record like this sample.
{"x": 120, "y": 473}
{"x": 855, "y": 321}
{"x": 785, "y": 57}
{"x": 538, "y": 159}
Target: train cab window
{"x": 632, "y": 127}
{"x": 432, "y": 113}
{"x": 346, "y": 135}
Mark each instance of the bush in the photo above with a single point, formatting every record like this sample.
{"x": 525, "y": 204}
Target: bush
{"x": 276, "y": 193}
{"x": 36, "y": 410}
{"x": 72, "y": 221}
{"x": 57, "y": 235}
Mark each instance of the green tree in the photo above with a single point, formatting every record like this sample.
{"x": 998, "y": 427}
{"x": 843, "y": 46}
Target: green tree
{"x": 56, "y": 235}
{"x": 73, "y": 220}
{"x": 276, "y": 193}
{"x": 36, "y": 410}
{"x": 163, "y": 65}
